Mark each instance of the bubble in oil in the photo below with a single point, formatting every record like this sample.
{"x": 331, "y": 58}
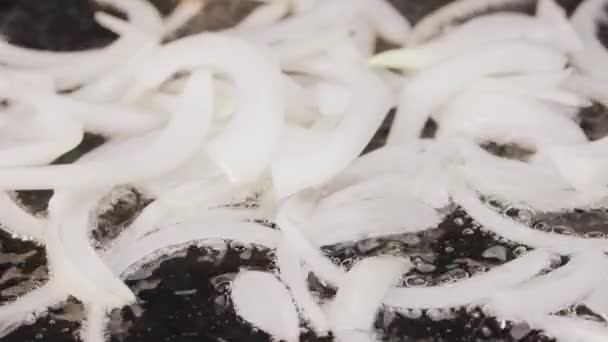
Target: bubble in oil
{"x": 595, "y": 235}
{"x": 414, "y": 281}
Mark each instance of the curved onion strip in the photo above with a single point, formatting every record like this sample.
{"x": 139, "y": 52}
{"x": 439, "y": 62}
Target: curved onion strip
{"x": 325, "y": 14}
{"x": 94, "y": 326}
{"x": 295, "y": 277}
{"x": 585, "y": 20}
{"x": 583, "y": 166}
{"x": 185, "y": 129}
{"x": 440, "y": 19}
{"x": 540, "y": 187}
{"x": 417, "y": 103}
{"x": 253, "y": 291}
{"x": 12, "y": 315}
{"x": 181, "y": 15}
{"x": 477, "y": 32}
{"x": 72, "y": 259}
{"x": 389, "y": 24}
{"x": 37, "y": 138}
{"x": 18, "y": 221}
{"x": 569, "y": 284}
{"x": 141, "y": 250}
{"x": 473, "y": 290}
{"x": 243, "y": 149}
{"x": 492, "y": 116}
{"x": 381, "y": 206}
{"x": 140, "y": 12}
{"x": 517, "y": 232}
{"x": 361, "y": 291}
{"x": 109, "y": 119}
{"x": 296, "y": 207}
{"x": 179, "y": 235}
{"x": 370, "y": 103}
{"x": 571, "y": 329}
{"x": 594, "y": 89}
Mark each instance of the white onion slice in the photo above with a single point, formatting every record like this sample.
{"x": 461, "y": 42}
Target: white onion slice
{"x": 252, "y": 295}
{"x": 17, "y": 220}
{"x": 569, "y": 284}
{"x": 370, "y": 103}
{"x": 179, "y": 235}
{"x": 389, "y": 24}
{"x": 584, "y": 165}
{"x": 515, "y": 231}
{"x": 185, "y": 11}
{"x": 507, "y": 119}
{"x": 417, "y": 103}
{"x": 186, "y": 129}
{"x": 474, "y": 290}
{"x": 244, "y": 147}
{"x": 438, "y": 21}
{"x": 484, "y": 30}
{"x": 12, "y": 315}
{"x": 94, "y": 326}
{"x": 293, "y": 209}
{"x": 585, "y": 20}
{"x": 571, "y": 329}
{"x": 361, "y": 291}
{"x": 295, "y": 277}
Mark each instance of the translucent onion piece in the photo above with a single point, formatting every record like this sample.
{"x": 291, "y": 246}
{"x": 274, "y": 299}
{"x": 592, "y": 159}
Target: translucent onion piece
{"x": 185, "y": 11}
{"x": 597, "y": 301}
{"x": 94, "y": 326}
{"x": 571, "y": 329}
{"x": 325, "y": 14}
{"x": 585, "y": 20}
{"x": 370, "y": 103}
{"x": 583, "y": 166}
{"x": 17, "y": 220}
{"x": 72, "y": 260}
{"x": 141, "y": 14}
{"x": 332, "y": 99}
{"x": 473, "y": 290}
{"x": 186, "y": 129}
{"x": 569, "y": 284}
{"x": 31, "y": 137}
{"x": 492, "y": 116}
{"x": 253, "y": 291}
{"x": 483, "y": 30}
{"x": 291, "y": 212}
{"x": 13, "y": 315}
{"x": 594, "y": 89}
{"x": 361, "y": 291}
{"x": 517, "y": 232}
{"x": 388, "y": 22}
{"x": 243, "y": 149}
{"x": 180, "y": 235}
{"x": 438, "y": 21}
{"x": 374, "y": 208}
{"x": 416, "y": 103}
{"x": 295, "y": 277}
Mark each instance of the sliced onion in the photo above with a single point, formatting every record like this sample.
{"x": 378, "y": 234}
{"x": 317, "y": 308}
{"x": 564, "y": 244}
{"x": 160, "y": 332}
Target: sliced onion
{"x": 438, "y": 21}
{"x": 252, "y": 291}
{"x": 94, "y": 326}
{"x": 293, "y": 209}
{"x": 416, "y": 103}
{"x": 473, "y": 290}
{"x": 493, "y": 116}
{"x": 517, "y": 232}
{"x": 585, "y": 20}
{"x": 244, "y": 147}
{"x": 294, "y": 275}
{"x": 17, "y": 220}
{"x": 13, "y": 315}
{"x": 569, "y": 284}
{"x": 361, "y": 291}
{"x": 370, "y": 103}
{"x": 186, "y": 129}
{"x": 571, "y": 329}
{"x": 181, "y": 15}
